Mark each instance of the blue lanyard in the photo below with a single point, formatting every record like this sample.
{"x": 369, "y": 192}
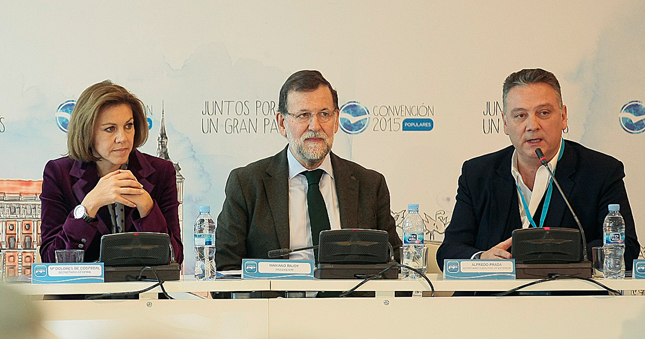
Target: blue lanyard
{"x": 547, "y": 198}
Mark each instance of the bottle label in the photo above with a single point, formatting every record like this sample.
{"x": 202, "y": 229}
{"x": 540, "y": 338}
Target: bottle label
{"x": 614, "y": 238}
{"x": 204, "y": 239}
{"x": 413, "y": 238}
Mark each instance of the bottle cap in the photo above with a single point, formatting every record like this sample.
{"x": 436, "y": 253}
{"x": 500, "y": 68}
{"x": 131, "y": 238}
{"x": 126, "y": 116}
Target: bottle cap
{"x": 204, "y": 209}
{"x": 413, "y": 208}
{"x": 614, "y": 207}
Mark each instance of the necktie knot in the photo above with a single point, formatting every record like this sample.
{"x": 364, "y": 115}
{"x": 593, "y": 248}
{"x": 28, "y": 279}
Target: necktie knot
{"x": 313, "y": 177}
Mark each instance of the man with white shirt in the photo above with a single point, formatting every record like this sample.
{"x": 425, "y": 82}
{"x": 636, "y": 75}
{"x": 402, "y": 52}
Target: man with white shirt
{"x": 284, "y": 201}
{"x": 510, "y": 189}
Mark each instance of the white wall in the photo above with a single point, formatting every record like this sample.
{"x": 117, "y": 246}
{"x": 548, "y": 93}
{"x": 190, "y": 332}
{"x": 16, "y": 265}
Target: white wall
{"x": 450, "y": 56}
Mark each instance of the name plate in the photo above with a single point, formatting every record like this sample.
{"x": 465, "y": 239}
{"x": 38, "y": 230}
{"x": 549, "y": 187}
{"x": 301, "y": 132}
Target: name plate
{"x": 638, "y": 271}
{"x": 277, "y": 269}
{"x": 67, "y": 273}
{"x": 478, "y": 269}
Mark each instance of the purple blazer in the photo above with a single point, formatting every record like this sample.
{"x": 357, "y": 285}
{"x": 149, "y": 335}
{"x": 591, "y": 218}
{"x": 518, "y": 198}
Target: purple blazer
{"x": 67, "y": 181}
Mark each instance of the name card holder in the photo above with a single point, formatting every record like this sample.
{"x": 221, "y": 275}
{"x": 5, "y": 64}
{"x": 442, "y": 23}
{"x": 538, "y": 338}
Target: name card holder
{"x": 51, "y": 273}
{"x": 638, "y": 271}
{"x": 478, "y": 269}
{"x": 277, "y": 269}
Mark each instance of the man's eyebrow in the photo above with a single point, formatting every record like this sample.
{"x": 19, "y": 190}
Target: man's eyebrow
{"x": 549, "y": 106}
{"x": 538, "y": 107}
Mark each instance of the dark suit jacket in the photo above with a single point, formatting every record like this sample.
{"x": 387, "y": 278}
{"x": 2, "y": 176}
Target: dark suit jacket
{"x": 67, "y": 181}
{"x": 255, "y": 215}
{"x": 487, "y": 212}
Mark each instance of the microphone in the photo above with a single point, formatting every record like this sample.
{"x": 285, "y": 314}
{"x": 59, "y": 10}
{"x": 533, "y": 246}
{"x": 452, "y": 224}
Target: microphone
{"x": 543, "y": 161}
{"x": 282, "y": 252}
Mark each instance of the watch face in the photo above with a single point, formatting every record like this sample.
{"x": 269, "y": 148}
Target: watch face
{"x": 79, "y": 212}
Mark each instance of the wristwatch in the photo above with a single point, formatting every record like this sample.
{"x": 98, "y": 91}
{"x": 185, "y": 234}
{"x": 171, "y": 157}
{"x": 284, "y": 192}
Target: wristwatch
{"x": 81, "y": 213}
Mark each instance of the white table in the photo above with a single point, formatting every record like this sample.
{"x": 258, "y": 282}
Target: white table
{"x": 378, "y": 317}
{"x": 384, "y": 286}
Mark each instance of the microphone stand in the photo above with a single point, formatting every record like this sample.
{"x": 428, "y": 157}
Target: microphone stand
{"x": 548, "y": 270}
{"x": 542, "y": 158}
{"x": 279, "y": 253}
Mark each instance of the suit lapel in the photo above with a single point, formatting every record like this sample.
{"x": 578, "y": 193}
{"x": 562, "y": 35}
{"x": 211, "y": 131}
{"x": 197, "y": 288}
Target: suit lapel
{"x": 564, "y": 170}
{"x": 505, "y": 196}
{"x": 87, "y": 178}
{"x": 276, "y": 184}
{"x": 347, "y": 192}
{"x": 142, "y": 170}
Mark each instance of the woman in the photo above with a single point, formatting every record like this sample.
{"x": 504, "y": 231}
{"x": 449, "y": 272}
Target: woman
{"x": 105, "y": 185}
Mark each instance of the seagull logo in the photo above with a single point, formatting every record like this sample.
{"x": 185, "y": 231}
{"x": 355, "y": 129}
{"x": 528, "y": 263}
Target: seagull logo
{"x": 640, "y": 268}
{"x": 632, "y": 117}
{"x": 452, "y": 266}
{"x": 250, "y": 267}
{"x": 354, "y": 117}
{"x": 40, "y": 270}
{"x": 64, "y": 113}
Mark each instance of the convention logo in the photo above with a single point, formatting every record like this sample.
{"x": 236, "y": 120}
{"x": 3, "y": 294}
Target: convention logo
{"x": 354, "y": 117}
{"x": 250, "y": 267}
{"x": 632, "y": 117}
{"x": 418, "y": 124}
{"x": 40, "y": 270}
{"x": 640, "y": 267}
{"x": 149, "y": 115}
{"x": 452, "y": 266}
{"x": 64, "y": 113}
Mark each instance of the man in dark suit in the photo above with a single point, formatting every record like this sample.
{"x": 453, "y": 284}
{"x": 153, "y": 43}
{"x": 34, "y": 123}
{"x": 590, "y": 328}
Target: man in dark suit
{"x": 510, "y": 189}
{"x": 267, "y": 202}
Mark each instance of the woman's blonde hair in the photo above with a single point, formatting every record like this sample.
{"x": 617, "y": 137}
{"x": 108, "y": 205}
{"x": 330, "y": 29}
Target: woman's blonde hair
{"x": 80, "y": 134}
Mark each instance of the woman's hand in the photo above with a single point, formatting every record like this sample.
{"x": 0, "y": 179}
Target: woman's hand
{"x": 119, "y": 186}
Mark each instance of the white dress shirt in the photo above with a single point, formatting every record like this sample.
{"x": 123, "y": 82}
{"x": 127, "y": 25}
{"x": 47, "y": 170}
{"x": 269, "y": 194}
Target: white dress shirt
{"x": 540, "y": 186}
{"x": 532, "y": 198}
{"x": 299, "y": 226}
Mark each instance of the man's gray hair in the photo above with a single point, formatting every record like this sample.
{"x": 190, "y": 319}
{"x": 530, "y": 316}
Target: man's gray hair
{"x": 531, "y": 76}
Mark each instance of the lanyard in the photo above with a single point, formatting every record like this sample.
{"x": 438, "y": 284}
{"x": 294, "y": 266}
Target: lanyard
{"x": 547, "y": 198}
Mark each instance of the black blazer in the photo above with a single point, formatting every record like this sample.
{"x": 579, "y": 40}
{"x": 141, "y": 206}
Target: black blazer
{"x": 487, "y": 212}
{"x": 255, "y": 214}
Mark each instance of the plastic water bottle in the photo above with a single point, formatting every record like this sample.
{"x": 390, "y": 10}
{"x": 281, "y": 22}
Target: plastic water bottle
{"x": 614, "y": 243}
{"x": 204, "y": 245}
{"x": 413, "y": 250}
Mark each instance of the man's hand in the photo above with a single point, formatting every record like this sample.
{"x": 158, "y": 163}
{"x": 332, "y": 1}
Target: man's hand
{"x": 499, "y": 251}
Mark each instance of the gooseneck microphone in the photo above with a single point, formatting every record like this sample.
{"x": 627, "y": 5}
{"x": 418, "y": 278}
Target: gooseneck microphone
{"x": 543, "y": 161}
{"x": 282, "y": 252}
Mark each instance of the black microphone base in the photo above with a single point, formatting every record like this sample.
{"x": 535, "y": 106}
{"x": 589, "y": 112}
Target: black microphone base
{"x": 542, "y": 271}
{"x": 354, "y": 271}
{"x": 130, "y": 273}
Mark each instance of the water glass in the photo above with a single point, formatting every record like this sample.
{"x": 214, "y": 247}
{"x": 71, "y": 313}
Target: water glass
{"x": 69, "y": 256}
{"x": 598, "y": 261}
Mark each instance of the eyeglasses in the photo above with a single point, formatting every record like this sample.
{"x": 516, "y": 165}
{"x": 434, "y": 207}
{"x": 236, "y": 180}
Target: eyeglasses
{"x": 305, "y": 117}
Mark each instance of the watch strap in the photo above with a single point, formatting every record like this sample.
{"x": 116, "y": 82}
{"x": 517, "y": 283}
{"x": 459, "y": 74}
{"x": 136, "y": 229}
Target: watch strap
{"x": 87, "y": 218}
